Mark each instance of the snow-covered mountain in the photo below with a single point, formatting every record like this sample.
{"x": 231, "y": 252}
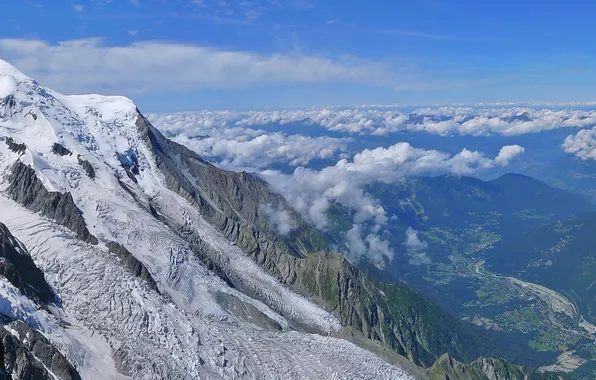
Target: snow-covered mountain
{"x": 154, "y": 265}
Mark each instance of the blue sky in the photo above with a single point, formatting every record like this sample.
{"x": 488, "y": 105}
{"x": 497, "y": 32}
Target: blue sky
{"x": 173, "y": 55}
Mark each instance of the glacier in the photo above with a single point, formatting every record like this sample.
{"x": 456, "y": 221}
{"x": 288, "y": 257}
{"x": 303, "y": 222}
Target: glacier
{"x": 110, "y": 323}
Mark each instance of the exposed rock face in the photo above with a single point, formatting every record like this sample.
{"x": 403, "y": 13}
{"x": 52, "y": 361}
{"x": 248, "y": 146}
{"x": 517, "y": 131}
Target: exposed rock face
{"x": 27, "y": 355}
{"x": 26, "y": 189}
{"x": 447, "y": 368}
{"x": 18, "y": 268}
{"x": 87, "y": 166}
{"x": 15, "y": 147}
{"x": 61, "y": 150}
{"x": 132, "y": 263}
{"x": 231, "y": 202}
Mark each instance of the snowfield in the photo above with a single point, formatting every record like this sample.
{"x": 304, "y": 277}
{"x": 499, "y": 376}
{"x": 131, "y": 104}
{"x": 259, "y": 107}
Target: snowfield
{"x": 111, "y": 324}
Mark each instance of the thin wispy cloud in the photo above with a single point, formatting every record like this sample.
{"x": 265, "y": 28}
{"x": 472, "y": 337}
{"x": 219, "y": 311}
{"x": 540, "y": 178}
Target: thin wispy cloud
{"x": 87, "y": 65}
{"x": 442, "y": 37}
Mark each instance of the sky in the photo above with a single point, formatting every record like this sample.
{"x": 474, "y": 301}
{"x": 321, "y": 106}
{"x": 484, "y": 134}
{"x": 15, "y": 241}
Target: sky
{"x": 178, "y": 55}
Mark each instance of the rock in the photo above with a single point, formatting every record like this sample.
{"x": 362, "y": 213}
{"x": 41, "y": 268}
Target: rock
{"x": 87, "y": 166}
{"x": 20, "y": 270}
{"x": 132, "y": 263}
{"x": 26, "y": 189}
{"x": 61, "y": 150}
{"x": 14, "y": 146}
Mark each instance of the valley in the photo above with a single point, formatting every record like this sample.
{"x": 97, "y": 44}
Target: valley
{"x": 459, "y": 222}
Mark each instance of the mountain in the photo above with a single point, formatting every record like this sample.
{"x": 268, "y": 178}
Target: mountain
{"x": 447, "y": 368}
{"x": 560, "y": 256}
{"x": 24, "y": 352}
{"x": 153, "y": 263}
{"x": 512, "y": 202}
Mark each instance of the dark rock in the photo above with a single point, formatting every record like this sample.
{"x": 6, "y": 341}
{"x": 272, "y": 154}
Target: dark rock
{"x": 30, "y": 355}
{"x": 20, "y": 270}
{"x": 61, "y": 150}
{"x": 523, "y": 117}
{"x": 26, "y": 189}
{"x": 137, "y": 268}
{"x": 14, "y": 146}
{"x": 87, "y": 166}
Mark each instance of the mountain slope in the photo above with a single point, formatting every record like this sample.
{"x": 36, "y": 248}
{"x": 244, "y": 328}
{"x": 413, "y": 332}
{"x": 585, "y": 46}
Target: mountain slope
{"x": 560, "y": 256}
{"x": 167, "y": 267}
{"x": 395, "y": 315}
{"x": 447, "y": 368}
{"x": 24, "y": 352}
{"x": 136, "y": 298}
{"x": 517, "y": 202}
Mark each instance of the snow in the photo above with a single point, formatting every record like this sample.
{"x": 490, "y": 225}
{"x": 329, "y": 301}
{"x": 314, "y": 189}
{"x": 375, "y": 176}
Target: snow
{"x": 110, "y": 323}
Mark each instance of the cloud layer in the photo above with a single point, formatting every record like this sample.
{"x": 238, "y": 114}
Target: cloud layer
{"x": 473, "y": 121}
{"x": 85, "y": 65}
{"x": 239, "y": 147}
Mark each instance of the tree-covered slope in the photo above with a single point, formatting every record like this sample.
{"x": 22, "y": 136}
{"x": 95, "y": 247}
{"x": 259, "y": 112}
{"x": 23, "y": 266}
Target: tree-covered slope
{"x": 561, "y": 256}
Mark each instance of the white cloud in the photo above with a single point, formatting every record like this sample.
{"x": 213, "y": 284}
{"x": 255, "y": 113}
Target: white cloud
{"x": 223, "y": 137}
{"x": 413, "y": 241}
{"x": 419, "y": 259}
{"x": 279, "y": 218}
{"x": 508, "y": 121}
{"x": 78, "y": 8}
{"x": 310, "y": 191}
{"x": 212, "y": 136}
{"x": 372, "y": 246}
{"x": 89, "y": 65}
{"x": 508, "y": 153}
{"x": 582, "y": 144}
{"x": 416, "y": 248}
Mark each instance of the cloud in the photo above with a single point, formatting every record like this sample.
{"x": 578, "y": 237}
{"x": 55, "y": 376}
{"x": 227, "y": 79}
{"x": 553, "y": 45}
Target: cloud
{"x": 224, "y": 138}
{"x": 413, "y": 241}
{"x": 582, "y": 144}
{"x": 310, "y": 191}
{"x": 474, "y": 121}
{"x": 416, "y": 248}
{"x": 211, "y": 135}
{"x": 78, "y": 8}
{"x": 508, "y": 153}
{"x": 279, "y": 218}
{"x": 372, "y": 246}
{"x": 419, "y": 259}
{"x": 88, "y": 65}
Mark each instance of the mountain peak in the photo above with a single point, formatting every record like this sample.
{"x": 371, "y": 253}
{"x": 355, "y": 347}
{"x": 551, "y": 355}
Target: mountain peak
{"x": 6, "y": 69}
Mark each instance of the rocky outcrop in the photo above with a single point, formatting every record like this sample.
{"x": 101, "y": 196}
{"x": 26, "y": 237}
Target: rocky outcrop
{"x": 26, "y": 189}
{"x": 131, "y": 263}
{"x": 27, "y": 355}
{"x": 86, "y": 165}
{"x": 20, "y": 270}
{"x": 232, "y": 203}
{"x": 14, "y": 146}
{"x": 60, "y": 150}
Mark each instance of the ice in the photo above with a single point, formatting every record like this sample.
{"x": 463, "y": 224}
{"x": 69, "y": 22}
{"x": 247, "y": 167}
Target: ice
{"x": 110, "y": 323}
